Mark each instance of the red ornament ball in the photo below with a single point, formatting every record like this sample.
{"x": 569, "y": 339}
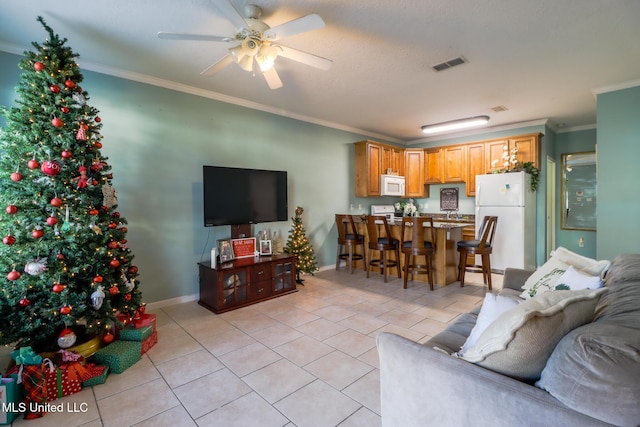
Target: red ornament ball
{"x": 112, "y": 245}
{"x": 60, "y": 256}
{"x": 94, "y": 212}
{"x": 38, "y": 66}
{"x": 50, "y": 167}
{"x": 127, "y": 297}
{"x": 108, "y": 338}
{"x": 11, "y": 209}
{"x": 24, "y": 302}
{"x": 37, "y": 233}
{"x": 65, "y": 309}
{"x": 52, "y": 220}
{"x": 98, "y": 119}
{"x": 56, "y": 201}
{"x": 98, "y": 279}
{"x": 98, "y": 144}
{"x": 70, "y": 84}
{"x": 16, "y": 176}
{"x": 54, "y": 88}
{"x": 64, "y": 109}
{"x": 112, "y": 225}
{"x": 9, "y": 240}
{"x": 114, "y": 263}
{"x": 13, "y": 275}
{"x": 66, "y": 154}
{"x": 133, "y": 269}
{"x": 58, "y": 287}
{"x": 57, "y": 122}
{"x": 33, "y": 164}
{"x": 114, "y": 290}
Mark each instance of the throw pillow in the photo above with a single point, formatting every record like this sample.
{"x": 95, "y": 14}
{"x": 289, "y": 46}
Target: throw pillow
{"x": 573, "y": 280}
{"x": 545, "y": 278}
{"x": 492, "y": 307}
{"x": 520, "y": 341}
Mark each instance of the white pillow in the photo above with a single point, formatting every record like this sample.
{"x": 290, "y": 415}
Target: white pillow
{"x": 573, "y": 280}
{"x": 545, "y": 278}
{"x": 492, "y": 307}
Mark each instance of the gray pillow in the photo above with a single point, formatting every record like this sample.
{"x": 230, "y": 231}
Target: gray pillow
{"x": 595, "y": 369}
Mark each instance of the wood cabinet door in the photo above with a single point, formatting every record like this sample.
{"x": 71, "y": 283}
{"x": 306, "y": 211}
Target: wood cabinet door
{"x": 493, "y": 151}
{"x": 527, "y": 148}
{"x": 434, "y": 168}
{"x": 368, "y": 159}
{"x": 455, "y": 163}
{"x": 414, "y": 172}
{"x": 476, "y": 165}
{"x": 392, "y": 160}
{"x": 374, "y": 154}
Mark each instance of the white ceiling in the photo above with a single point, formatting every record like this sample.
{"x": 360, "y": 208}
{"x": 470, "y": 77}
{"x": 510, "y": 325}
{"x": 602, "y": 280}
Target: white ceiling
{"x": 540, "y": 59}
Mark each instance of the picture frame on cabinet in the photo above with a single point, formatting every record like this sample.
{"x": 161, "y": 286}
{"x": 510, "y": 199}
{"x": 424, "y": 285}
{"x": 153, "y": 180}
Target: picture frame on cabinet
{"x": 265, "y": 247}
{"x": 225, "y": 250}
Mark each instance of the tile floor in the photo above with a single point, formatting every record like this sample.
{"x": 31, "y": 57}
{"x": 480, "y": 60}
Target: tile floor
{"x": 304, "y": 359}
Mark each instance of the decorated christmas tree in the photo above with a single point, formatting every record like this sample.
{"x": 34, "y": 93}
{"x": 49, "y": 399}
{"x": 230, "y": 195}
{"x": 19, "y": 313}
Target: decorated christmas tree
{"x": 298, "y": 244}
{"x": 65, "y": 268}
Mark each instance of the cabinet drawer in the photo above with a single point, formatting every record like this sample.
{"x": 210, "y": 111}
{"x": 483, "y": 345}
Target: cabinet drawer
{"x": 259, "y": 290}
{"x": 261, "y": 272}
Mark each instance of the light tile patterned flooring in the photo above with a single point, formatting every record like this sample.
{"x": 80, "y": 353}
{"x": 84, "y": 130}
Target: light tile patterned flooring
{"x": 304, "y": 359}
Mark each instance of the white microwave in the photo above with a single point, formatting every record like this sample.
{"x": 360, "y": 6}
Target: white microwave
{"x": 392, "y": 185}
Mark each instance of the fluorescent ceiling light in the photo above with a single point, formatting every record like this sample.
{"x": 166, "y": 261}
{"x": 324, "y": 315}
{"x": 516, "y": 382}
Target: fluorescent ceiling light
{"x": 456, "y": 124}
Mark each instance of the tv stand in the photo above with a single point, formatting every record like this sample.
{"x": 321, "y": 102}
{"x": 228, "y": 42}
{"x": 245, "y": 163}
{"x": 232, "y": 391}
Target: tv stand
{"x": 246, "y": 281}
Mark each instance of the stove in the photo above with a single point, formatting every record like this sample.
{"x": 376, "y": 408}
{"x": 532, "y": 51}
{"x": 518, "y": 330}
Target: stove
{"x": 386, "y": 210}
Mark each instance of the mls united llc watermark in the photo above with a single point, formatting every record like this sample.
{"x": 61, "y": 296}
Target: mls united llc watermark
{"x": 71, "y": 407}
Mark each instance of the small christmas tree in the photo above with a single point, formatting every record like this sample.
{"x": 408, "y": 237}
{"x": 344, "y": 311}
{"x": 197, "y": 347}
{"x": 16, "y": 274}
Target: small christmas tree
{"x": 64, "y": 263}
{"x": 298, "y": 244}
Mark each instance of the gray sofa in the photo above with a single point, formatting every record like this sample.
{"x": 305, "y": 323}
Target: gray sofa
{"x": 592, "y": 377}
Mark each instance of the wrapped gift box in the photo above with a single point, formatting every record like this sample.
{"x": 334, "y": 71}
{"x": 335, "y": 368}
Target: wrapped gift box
{"x": 99, "y": 373}
{"x": 149, "y": 342}
{"x": 145, "y": 320}
{"x": 64, "y": 380}
{"x": 119, "y": 355}
{"x": 130, "y": 333}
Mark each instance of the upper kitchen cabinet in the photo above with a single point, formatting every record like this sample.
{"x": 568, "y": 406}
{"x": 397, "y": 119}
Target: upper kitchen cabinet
{"x": 434, "y": 166}
{"x": 476, "y": 165}
{"x": 455, "y": 159}
{"x": 528, "y": 150}
{"x": 373, "y": 159}
{"x": 414, "y": 166}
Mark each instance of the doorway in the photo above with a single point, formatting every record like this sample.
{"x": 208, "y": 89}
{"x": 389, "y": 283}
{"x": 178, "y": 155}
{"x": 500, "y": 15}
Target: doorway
{"x": 551, "y": 207}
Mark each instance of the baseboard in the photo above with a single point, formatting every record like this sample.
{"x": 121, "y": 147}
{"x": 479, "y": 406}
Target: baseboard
{"x": 171, "y": 301}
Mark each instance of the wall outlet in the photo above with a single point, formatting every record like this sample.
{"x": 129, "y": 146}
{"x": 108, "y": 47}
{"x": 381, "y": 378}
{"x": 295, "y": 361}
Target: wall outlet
{"x": 581, "y": 242}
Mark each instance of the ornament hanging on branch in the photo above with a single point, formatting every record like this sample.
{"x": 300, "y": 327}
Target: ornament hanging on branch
{"x": 82, "y": 134}
{"x": 67, "y": 338}
{"x": 83, "y": 178}
{"x": 50, "y": 167}
{"x": 97, "y": 297}
{"x": 36, "y": 266}
{"x": 109, "y": 195}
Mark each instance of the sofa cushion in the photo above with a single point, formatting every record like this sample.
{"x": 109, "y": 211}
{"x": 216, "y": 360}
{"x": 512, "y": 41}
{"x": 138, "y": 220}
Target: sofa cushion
{"x": 454, "y": 336}
{"x": 622, "y": 303}
{"x": 521, "y": 340}
{"x": 595, "y": 369}
{"x": 492, "y": 307}
{"x": 546, "y": 277}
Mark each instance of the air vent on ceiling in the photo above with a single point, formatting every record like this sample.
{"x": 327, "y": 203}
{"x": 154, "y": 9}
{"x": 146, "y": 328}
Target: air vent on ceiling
{"x": 499, "y": 108}
{"x": 448, "y": 64}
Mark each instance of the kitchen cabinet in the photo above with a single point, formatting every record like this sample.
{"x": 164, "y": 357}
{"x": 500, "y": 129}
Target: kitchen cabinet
{"x": 434, "y": 166}
{"x": 476, "y": 165}
{"x": 528, "y": 150}
{"x": 245, "y": 281}
{"x": 373, "y": 159}
{"x": 455, "y": 163}
{"x": 414, "y": 166}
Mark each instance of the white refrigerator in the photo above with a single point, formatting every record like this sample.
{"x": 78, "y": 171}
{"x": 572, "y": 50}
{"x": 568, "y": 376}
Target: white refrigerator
{"x": 509, "y": 197}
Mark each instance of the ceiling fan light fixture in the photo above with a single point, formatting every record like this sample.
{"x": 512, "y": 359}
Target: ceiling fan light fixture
{"x": 266, "y": 57}
{"x": 246, "y": 63}
{"x": 237, "y": 53}
{"x": 250, "y": 46}
{"x": 455, "y": 124}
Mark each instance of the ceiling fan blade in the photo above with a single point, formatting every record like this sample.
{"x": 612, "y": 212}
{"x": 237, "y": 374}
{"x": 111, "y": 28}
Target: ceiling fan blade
{"x": 305, "y": 57}
{"x": 186, "y": 36}
{"x": 214, "y": 68}
{"x": 296, "y": 26}
{"x": 272, "y": 78}
{"x": 228, "y": 11}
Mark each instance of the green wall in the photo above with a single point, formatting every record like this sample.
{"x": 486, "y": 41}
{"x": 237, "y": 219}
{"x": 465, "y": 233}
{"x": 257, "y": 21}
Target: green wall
{"x": 618, "y": 172}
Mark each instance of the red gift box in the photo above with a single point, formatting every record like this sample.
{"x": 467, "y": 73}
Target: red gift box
{"x": 145, "y": 320}
{"x": 65, "y": 379}
{"x": 149, "y": 342}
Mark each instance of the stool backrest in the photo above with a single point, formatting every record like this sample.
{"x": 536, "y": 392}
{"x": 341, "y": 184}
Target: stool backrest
{"x": 346, "y": 225}
{"x": 377, "y": 227}
{"x": 418, "y": 225}
{"x": 487, "y": 231}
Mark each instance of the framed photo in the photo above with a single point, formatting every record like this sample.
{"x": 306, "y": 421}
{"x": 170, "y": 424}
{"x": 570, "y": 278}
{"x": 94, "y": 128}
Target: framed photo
{"x": 225, "y": 250}
{"x": 265, "y": 247}
{"x": 244, "y": 248}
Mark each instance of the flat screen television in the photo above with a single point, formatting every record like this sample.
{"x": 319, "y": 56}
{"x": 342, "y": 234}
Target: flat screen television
{"x": 234, "y": 196}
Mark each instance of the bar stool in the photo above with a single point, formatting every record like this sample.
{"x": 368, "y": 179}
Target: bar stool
{"x": 348, "y": 240}
{"x": 482, "y": 247}
{"x": 418, "y": 246}
{"x": 380, "y": 239}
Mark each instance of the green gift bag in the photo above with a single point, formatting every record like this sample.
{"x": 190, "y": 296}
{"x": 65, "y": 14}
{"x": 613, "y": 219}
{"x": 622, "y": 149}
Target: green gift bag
{"x": 9, "y": 399}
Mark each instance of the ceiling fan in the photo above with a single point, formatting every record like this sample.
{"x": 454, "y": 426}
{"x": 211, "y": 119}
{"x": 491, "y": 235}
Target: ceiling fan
{"x": 256, "y": 42}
